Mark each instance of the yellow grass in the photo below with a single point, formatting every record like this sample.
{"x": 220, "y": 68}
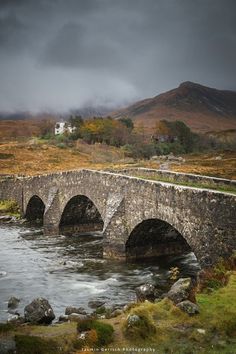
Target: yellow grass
{"x": 34, "y": 156}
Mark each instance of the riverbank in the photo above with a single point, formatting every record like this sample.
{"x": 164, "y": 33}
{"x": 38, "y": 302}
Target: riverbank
{"x": 163, "y": 328}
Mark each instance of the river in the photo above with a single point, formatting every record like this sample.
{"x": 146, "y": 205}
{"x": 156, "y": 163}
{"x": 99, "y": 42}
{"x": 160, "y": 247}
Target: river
{"x": 70, "y": 270}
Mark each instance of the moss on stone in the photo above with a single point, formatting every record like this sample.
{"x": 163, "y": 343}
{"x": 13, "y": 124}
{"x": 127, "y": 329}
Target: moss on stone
{"x": 9, "y": 207}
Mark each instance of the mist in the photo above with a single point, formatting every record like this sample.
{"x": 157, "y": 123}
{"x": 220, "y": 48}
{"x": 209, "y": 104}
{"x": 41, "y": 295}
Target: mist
{"x": 57, "y": 56}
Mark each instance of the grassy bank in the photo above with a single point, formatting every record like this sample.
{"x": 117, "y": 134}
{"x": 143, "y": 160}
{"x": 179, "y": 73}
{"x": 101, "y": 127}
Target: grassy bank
{"x": 213, "y": 330}
{"x": 164, "y": 328}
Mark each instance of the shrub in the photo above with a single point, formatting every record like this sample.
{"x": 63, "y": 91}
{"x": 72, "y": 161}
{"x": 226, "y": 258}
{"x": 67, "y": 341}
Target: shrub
{"x": 217, "y": 276}
{"x": 61, "y": 145}
{"x": 143, "y": 328}
{"x": 104, "y": 331}
{"x": 101, "y": 310}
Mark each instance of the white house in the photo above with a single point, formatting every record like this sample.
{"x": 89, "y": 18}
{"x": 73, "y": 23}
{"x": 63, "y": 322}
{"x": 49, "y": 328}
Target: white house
{"x": 62, "y": 127}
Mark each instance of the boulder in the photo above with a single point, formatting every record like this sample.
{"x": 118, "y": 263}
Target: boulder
{"x": 5, "y": 218}
{"x": 146, "y": 292}
{"x": 180, "y": 290}
{"x": 70, "y": 309}
{"x": 189, "y": 307}
{"x": 63, "y": 318}
{"x": 93, "y": 304}
{"x": 15, "y": 319}
{"x": 132, "y": 320}
{"x": 76, "y": 317}
{"x": 116, "y": 313}
{"x": 39, "y": 311}
{"x": 13, "y": 302}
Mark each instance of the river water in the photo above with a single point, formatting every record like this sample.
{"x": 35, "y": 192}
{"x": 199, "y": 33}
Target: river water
{"x": 70, "y": 270}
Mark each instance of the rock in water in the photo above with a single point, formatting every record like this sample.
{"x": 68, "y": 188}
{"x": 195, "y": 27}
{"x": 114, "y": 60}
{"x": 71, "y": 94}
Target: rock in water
{"x": 188, "y": 307}
{"x": 63, "y": 318}
{"x": 93, "y": 304}
{"x": 180, "y": 290}
{"x": 39, "y": 311}
{"x": 70, "y": 309}
{"x": 76, "y": 317}
{"x": 13, "y": 302}
{"x": 5, "y": 218}
{"x": 146, "y": 292}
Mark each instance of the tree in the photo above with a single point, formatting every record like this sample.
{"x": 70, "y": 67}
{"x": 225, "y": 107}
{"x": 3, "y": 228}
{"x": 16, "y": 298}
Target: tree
{"x": 76, "y": 122}
{"x": 127, "y": 122}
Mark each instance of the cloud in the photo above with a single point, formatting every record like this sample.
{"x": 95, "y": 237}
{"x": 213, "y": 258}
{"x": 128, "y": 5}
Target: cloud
{"x": 57, "y": 54}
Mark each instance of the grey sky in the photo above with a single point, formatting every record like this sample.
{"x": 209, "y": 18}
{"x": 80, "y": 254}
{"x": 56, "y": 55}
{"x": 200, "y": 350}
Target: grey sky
{"x": 63, "y": 54}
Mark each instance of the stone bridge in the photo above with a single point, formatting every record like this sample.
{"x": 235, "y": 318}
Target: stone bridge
{"x": 138, "y": 218}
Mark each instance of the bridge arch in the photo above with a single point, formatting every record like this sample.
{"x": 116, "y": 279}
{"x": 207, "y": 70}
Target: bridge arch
{"x": 154, "y": 237}
{"x": 35, "y": 209}
{"x": 80, "y": 215}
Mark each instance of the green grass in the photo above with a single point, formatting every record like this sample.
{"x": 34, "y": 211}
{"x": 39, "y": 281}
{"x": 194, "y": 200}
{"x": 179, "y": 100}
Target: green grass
{"x": 178, "y": 333}
{"x": 6, "y": 327}
{"x": 36, "y": 345}
{"x": 220, "y": 188}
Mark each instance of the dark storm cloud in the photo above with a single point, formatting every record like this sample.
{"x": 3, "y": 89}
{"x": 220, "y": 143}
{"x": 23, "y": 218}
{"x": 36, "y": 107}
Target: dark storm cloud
{"x": 58, "y": 54}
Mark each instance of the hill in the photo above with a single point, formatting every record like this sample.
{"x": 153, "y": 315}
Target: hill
{"x": 202, "y": 108}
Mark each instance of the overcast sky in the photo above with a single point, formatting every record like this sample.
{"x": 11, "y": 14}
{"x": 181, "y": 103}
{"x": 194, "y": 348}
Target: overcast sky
{"x": 63, "y": 54}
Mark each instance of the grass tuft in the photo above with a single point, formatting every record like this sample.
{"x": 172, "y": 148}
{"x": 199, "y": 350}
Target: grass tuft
{"x": 9, "y": 207}
{"x": 104, "y": 331}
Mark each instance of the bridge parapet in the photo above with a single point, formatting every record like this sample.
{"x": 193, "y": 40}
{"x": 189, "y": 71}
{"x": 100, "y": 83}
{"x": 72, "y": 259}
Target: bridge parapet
{"x": 179, "y": 177}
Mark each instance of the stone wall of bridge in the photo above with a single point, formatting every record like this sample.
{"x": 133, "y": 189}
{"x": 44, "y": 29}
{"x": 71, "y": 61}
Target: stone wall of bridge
{"x": 205, "y": 218}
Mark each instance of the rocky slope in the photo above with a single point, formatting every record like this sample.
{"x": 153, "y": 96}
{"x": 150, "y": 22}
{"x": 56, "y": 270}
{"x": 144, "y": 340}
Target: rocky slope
{"x": 200, "y": 107}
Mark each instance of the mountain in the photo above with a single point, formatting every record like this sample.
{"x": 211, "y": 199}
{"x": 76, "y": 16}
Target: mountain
{"x": 200, "y": 107}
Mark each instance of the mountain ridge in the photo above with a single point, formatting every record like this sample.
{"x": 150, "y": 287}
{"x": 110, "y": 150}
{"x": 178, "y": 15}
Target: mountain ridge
{"x": 201, "y": 107}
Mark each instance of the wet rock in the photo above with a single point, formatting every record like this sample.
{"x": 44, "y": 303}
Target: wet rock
{"x": 13, "y": 312}
{"x": 70, "y": 309}
{"x": 189, "y": 307}
{"x": 5, "y": 218}
{"x": 180, "y": 290}
{"x": 76, "y": 317}
{"x": 93, "y": 304}
{"x": 129, "y": 306}
{"x": 13, "y": 302}
{"x": 133, "y": 320}
{"x": 16, "y": 319}
{"x": 63, "y": 318}
{"x": 146, "y": 292}
{"x": 39, "y": 311}
{"x": 116, "y": 313}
